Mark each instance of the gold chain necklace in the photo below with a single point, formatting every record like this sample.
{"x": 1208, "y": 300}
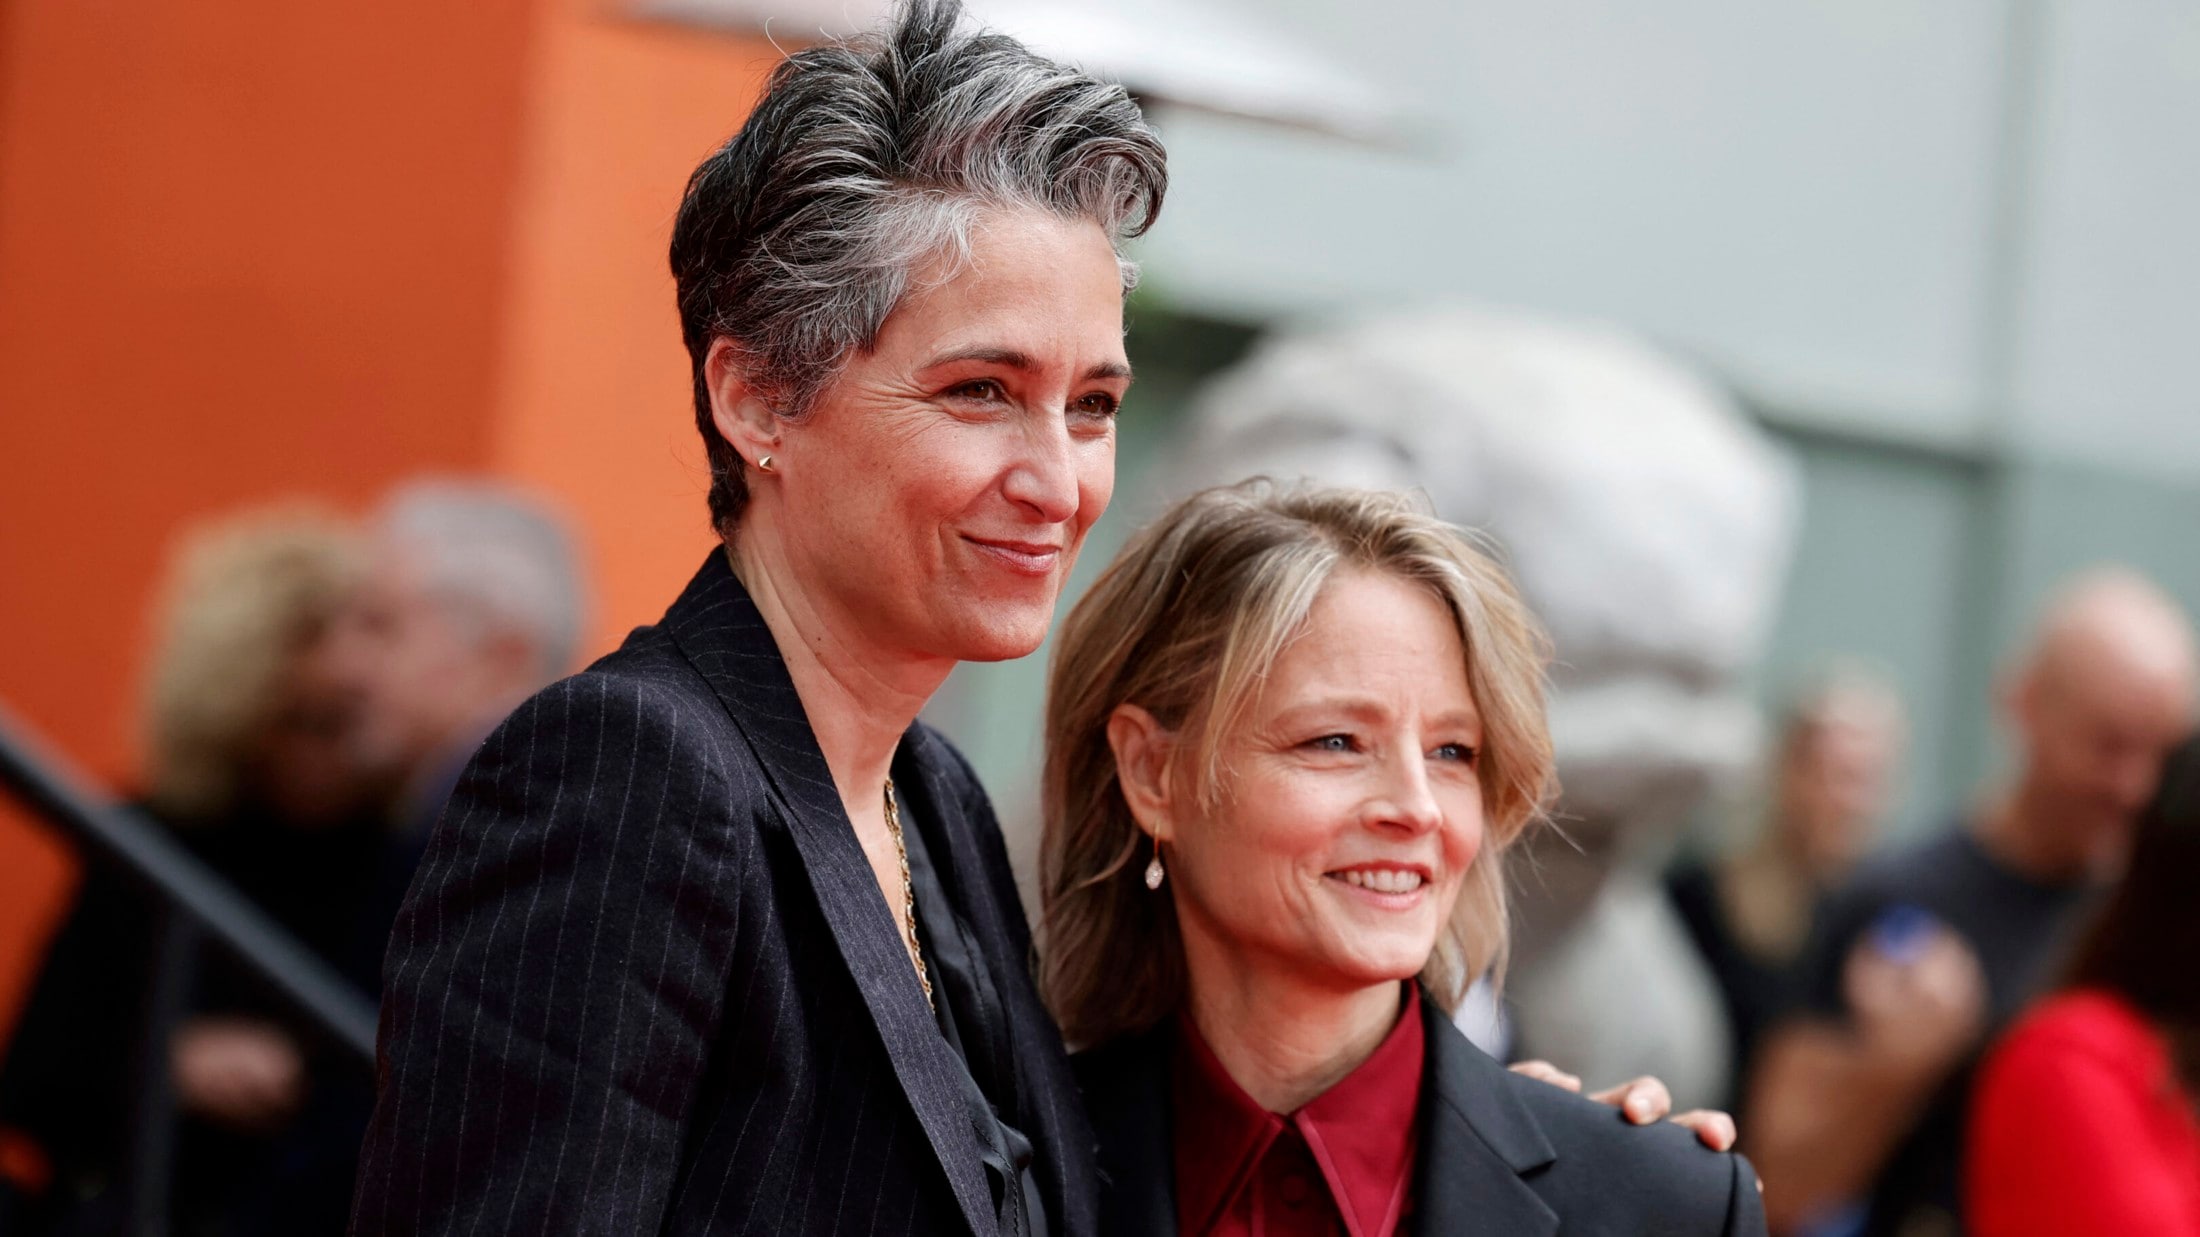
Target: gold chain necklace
{"x": 908, "y": 893}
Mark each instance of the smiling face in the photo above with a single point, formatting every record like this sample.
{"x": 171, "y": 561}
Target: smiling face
{"x": 936, "y": 494}
{"x": 1353, "y": 810}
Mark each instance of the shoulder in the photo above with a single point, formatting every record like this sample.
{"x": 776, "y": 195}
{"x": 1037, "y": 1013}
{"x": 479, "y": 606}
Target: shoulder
{"x": 635, "y": 711}
{"x": 1125, "y": 1086}
{"x": 1908, "y": 870}
{"x": 1126, "y": 1092}
{"x": 1583, "y": 1160}
{"x": 1916, "y": 873}
{"x": 1122, "y": 1060}
{"x": 625, "y": 752}
{"x": 1607, "y": 1166}
{"x": 2083, "y": 1024}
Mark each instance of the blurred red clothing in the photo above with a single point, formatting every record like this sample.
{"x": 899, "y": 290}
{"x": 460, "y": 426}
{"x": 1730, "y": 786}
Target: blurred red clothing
{"x": 1339, "y": 1167}
{"x": 2080, "y": 1127}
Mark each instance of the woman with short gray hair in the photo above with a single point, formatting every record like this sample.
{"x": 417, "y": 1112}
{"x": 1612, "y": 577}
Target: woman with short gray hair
{"x": 715, "y": 937}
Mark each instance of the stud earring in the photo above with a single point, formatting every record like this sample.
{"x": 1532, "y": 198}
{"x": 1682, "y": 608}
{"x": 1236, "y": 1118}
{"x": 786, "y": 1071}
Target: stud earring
{"x": 764, "y": 463}
{"x": 1154, "y": 873}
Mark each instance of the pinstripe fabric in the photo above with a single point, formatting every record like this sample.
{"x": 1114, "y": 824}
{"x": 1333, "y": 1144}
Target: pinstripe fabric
{"x": 645, "y": 981}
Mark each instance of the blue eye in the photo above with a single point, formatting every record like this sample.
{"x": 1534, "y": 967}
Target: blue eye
{"x": 1456, "y": 752}
{"x": 1333, "y": 743}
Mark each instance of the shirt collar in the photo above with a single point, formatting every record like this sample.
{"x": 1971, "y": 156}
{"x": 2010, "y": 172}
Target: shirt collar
{"x": 1362, "y": 1131}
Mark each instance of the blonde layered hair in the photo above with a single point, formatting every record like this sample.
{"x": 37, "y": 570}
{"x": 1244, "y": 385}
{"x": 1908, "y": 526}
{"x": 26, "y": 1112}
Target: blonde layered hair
{"x": 1184, "y": 624}
{"x": 243, "y": 597}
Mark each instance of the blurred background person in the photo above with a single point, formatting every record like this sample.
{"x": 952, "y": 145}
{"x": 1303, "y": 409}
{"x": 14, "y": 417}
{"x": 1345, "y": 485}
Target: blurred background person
{"x": 2087, "y": 1118}
{"x": 472, "y": 600}
{"x": 253, "y": 719}
{"x": 1648, "y": 523}
{"x": 316, "y": 686}
{"x": 1856, "y": 1112}
{"x": 1830, "y": 778}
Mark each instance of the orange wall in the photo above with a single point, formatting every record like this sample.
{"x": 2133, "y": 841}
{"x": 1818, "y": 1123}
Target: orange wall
{"x": 592, "y": 397}
{"x": 247, "y": 249}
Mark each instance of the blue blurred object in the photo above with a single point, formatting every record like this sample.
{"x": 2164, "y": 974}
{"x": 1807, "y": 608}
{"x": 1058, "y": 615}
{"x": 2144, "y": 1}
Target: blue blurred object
{"x": 1901, "y": 931}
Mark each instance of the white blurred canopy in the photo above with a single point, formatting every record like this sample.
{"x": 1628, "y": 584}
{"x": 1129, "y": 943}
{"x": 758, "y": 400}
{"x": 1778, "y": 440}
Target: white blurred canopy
{"x": 1186, "y": 53}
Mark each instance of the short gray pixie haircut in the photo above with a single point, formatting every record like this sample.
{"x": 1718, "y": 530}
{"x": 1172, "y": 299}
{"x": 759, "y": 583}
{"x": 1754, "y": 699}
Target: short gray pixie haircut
{"x": 864, "y": 160}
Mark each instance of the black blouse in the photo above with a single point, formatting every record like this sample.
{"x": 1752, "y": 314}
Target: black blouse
{"x": 967, "y": 1001}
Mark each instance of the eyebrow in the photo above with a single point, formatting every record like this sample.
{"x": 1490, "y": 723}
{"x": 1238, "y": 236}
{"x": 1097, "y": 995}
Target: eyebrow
{"x": 1022, "y": 362}
{"x": 1368, "y": 706}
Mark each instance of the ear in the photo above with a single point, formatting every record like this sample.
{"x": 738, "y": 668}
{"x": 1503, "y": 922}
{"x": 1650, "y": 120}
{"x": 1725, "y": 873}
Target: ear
{"x": 1143, "y": 748}
{"x": 742, "y": 416}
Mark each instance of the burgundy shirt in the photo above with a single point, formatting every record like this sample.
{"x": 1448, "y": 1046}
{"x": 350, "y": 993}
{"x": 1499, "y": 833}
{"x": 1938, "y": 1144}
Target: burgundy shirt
{"x": 1342, "y": 1166}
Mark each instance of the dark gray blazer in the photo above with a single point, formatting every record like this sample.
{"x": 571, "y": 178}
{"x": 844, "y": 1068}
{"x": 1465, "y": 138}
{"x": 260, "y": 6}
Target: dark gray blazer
{"x": 1499, "y": 1154}
{"x": 645, "y": 982}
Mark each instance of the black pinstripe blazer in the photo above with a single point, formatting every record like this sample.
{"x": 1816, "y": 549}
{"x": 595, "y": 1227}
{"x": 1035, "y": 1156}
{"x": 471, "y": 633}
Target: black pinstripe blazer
{"x": 645, "y": 982}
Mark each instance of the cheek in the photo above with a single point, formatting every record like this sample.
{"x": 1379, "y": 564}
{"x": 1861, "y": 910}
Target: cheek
{"x": 899, "y": 488}
{"x": 1265, "y": 846}
{"x": 1095, "y": 482}
{"x": 1464, "y": 835}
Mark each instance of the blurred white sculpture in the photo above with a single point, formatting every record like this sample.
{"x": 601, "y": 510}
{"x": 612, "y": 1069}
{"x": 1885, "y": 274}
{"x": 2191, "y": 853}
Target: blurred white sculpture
{"x": 1648, "y": 522}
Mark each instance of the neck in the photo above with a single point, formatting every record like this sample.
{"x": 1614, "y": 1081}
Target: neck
{"x": 1283, "y": 1040}
{"x": 2021, "y": 833}
{"x": 859, "y": 696}
{"x": 1767, "y": 892}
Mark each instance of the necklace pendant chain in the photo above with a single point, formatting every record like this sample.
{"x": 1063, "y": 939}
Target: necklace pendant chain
{"x": 908, "y": 895}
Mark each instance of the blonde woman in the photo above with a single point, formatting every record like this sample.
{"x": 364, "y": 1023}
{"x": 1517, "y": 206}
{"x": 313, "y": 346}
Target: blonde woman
{"x": 1291, "y": 735}
{"x": 251, "y": 757}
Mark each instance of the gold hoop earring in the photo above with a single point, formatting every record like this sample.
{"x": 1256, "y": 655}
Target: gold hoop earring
{"x": 1154, "y": 872}
{"x": 764, "y": 463}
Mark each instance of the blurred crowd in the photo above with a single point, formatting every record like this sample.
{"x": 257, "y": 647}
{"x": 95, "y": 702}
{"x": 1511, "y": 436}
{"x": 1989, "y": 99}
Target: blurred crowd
{"x": 1989, "y": 1028}
{"x": 317, "y": 683}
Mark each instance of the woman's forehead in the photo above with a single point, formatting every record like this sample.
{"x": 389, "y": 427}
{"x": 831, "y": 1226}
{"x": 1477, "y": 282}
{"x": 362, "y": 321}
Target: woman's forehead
{"x": 1371, "y": 638}
{"x": 1032, "y": 284}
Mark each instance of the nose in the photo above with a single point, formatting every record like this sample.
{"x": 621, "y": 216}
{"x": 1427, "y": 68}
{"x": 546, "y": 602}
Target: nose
{"x": 1407, "y": 802}
{"x": 1043, "y": 478}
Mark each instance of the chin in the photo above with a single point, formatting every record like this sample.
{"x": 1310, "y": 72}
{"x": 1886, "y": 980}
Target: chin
{"x": 1382, "y": 964}
{"x": 999, "y": 637}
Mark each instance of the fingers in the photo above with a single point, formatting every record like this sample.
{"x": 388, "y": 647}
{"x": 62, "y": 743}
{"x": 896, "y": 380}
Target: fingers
{"x": 1544, "y": 1071}
{"x": 1713, "y": 1129}
{"x": 243, "y": 1075}
{"x": 1643, "y": 1100}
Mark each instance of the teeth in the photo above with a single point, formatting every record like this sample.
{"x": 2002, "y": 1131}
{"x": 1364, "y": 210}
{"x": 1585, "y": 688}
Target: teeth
{"x": 1383, "y": 880}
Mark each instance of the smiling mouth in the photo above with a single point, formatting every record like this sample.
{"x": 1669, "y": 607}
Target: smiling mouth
{"x": 1381, "y": 880}
{"x": 1027, "y": 558}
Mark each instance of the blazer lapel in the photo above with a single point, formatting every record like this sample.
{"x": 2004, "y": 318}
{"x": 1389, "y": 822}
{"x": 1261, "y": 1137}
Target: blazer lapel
{"x": 1477, "y": 1141}
{"x": 719, "y": 631}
